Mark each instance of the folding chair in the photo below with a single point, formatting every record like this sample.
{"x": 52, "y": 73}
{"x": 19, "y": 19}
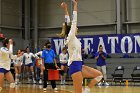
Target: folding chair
{"x": 118, "y": 75}
{"x": 136, "y": 74}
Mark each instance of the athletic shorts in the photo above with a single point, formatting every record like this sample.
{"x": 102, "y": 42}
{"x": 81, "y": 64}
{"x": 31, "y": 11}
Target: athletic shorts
{"x": 29, "y": 65}
{"x": 75, "y": 66}
{"x": 64, "y": 64}
{"x": 2, "y": 70}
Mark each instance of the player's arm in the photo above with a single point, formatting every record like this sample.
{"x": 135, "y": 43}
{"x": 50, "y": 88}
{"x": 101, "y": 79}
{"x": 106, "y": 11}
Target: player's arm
{"x": 74, "y": 24}
{"x": 36, "y": 55}
{"x": 43, "y": 61}
{"x": 65, "y": 8}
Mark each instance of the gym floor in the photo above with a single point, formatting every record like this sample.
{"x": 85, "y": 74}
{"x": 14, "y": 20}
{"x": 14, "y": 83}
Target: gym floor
{"x": 27, "y": 88}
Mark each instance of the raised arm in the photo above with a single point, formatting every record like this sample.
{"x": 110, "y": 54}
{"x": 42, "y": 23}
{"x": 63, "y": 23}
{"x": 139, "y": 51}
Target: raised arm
{"x": 65, "y": 8}
{"x": 73, "y": 29}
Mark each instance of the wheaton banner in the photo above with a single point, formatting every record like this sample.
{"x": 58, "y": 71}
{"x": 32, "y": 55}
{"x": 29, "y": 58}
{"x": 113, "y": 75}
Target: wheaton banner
{"x": 122, "y": 43}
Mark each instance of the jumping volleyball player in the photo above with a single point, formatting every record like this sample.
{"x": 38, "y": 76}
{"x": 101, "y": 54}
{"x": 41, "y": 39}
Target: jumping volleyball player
{"x": 17, "y": 65}
{"x": 5, "y": 62}
{"x": 76, "y": 69}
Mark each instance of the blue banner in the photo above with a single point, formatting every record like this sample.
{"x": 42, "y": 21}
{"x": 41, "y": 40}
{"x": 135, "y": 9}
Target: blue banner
{"x": 122, "y": 43}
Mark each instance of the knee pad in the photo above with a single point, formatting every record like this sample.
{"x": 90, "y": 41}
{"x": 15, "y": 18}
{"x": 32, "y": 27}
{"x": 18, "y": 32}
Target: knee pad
{"x": 99, "y": 78}
{"x": 62, "y": 72}
{"x": 12, "y": 85}
{"x": 0, "y": 89}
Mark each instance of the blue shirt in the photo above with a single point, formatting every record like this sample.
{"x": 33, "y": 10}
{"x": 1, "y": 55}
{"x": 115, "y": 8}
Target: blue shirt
{"x": 100, "y": 60}
{"x": 48, "y": 55}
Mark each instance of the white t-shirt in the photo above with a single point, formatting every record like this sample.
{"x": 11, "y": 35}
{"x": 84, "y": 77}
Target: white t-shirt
{"x": 63, "y": 58}
{"x": 5, "y": 58}
{"x": 28, "y": 58}
{"x": 38, "y": 53}
{"x": 18, "y": 61}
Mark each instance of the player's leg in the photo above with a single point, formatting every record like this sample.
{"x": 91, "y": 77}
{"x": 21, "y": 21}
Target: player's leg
{"x": 89, "y": 72}
{"x": 77, "y": 81}
{"x": 33, "y": 76}
{"x": 1, "y": 80}
{"x": 27, "y": 69}
{"x": 65, "y": 73}
{"x": 41, "y": 74}
{"x": 19, "y": 73}
{"x": 62, "y": 73}
{"x": 75, "y": 70}
{"x": 16, "y": 74}
{"x": 100, "y": 69}
{"x": 10, "y": 79}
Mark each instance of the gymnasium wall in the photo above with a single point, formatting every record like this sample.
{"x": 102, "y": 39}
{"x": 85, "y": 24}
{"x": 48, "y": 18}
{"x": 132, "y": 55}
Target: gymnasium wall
{"x": 11, "y": 20}
{"x": 94, "y": 17}
{"x": 89, "y": 14}
{"x": 134, "y": 16}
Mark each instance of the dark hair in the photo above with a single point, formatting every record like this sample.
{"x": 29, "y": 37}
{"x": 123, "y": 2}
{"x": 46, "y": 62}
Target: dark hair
{"x": 26, "y": 48}
{"x": 64, "y": 48}
{"x": 100, "y": 46}
{"x": 47, "y": 42}
{"x": 67, "y": 29}
{"x": 17, "y": 51}
{"x": 5, "y": 42}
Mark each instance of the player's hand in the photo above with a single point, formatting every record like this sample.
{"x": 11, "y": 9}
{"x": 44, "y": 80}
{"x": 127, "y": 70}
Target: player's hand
{"x": 56, "y": 66}
{"x": 64, "y": 5}
{"x": 75, "y": 2}
{"x": 10, "y": 41}
{"x": 43, "y": 67}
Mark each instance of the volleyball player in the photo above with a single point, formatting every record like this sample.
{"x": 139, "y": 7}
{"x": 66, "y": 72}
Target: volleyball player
{"x": 29, "y": 64}
{"x": 76, "y": 69}
{"x": 17, "y": 65}
{"x": 6, "y": 54}
{"x": 64, "y": 67}
{"x": 39, "y": 55}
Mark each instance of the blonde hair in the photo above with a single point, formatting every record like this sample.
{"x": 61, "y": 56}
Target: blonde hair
{"x": 65, "y": 30}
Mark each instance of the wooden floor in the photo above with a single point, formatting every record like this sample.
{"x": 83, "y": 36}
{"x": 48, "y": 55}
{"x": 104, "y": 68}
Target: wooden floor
{"x": 69, "y": 89}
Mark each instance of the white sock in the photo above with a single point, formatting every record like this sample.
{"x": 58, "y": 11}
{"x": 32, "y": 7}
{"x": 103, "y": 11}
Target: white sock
{"x": 87, "y": 90}
{"x": 33, "y": 76}
{"x": 16, "y": 77}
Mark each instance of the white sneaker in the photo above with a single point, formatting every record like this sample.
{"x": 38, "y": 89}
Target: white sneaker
{"x": 55, "y": 89}
{"x": 34, "y": 82}
{"x": 61, "y": 82}
{"x": 106, "y": 84}
{"x": 87, "y": 90}
{"x": 40, "y": 81}
{"x": 44, "y": 89}
{"x": 99, "y": 84}
{"x": 64, "y": 81}
{"x": 29, "y": 80}
{"x": 16, "y": 83}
